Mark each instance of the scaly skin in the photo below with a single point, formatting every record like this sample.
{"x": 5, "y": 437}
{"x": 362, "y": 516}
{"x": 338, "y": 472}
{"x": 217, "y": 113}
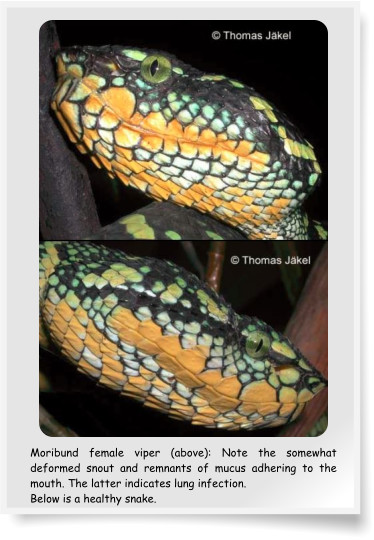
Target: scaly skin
{"x": 198, "y": 140}
{"x": 154, "y": 332}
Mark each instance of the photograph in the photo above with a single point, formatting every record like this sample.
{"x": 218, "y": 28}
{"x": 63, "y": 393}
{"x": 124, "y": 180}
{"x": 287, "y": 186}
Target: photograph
{"x": 227, "y": 132}
{"x": 190, "y": 331}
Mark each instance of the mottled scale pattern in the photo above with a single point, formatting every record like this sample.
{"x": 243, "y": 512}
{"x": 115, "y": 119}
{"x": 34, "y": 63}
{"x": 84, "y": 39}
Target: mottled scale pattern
{"x": 198, "y": 140}
{"x": 153, "y": 331}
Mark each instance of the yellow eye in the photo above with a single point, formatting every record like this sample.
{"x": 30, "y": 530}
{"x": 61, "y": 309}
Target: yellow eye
{"x": 257, "y": 344}
{"x": 155, "y": 69}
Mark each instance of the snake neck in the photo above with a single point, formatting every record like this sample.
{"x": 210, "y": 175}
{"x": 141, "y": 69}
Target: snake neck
{"x": 295, "y": 226}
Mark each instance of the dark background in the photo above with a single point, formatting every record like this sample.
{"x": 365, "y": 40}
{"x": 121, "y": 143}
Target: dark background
{"x": 291, "y": 74}
{"x": 255, "y": 290}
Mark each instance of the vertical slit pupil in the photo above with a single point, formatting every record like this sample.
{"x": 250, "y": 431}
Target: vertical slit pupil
{"x": 154, "y": 67}
{"x": 260, "y": 343}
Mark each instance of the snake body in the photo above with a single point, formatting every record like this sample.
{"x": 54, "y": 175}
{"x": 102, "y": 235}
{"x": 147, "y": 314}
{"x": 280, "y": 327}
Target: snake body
{"x": 202, "y": 141}
{"x": 153, "y": 331}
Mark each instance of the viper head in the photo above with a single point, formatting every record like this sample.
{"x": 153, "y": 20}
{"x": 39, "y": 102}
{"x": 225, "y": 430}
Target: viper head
{"x": 281, "y": 371}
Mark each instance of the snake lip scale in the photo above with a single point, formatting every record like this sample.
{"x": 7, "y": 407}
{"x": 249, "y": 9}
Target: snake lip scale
{"x": 198, "y": 140}
{"x": 154, "y": 332}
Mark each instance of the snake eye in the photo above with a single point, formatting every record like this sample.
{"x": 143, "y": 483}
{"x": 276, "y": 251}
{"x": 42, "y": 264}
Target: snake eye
{"x": 257, "y": 344}
{"x": 155, "y": 69}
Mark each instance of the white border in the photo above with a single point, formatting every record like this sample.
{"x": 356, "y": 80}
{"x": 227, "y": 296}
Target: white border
{"x": 357, "y": 250}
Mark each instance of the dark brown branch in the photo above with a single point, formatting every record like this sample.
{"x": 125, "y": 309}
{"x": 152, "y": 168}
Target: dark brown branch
{"x": 216, "y": 256}
{"x": 308, "y": 330}
{"x": 67, "y": 206}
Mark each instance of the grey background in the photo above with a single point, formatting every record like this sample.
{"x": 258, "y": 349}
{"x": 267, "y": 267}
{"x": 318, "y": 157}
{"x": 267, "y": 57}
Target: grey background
{"x": 274, "y": 494}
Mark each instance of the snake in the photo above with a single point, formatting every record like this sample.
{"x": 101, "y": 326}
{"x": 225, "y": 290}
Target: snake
{"x": 198, "y": 140}
{"x": 152, "y": 331}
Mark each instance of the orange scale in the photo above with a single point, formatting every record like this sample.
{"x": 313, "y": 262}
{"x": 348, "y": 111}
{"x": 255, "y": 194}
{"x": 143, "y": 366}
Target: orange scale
{"x": 177, "y": 398}
{"x": 108, "y": 347}
{"x": 108, "y": 382}
{"x": 173, "y": 188}
{"x": 222, "y": 137}
{"x": 148, "y": 178}
{"x": 207, "y": 136}
{"x": 259, "y": 392}
{"x": 227, "y": 158}
{"x": 133, "y": 391}
{"x": 187, "y": 149}
{"x": 95, "y": 161}
{"x": 85, "y": 367}
{"x": 93, "y": 105}
{"x": 259, "y": 167}
{"x": 191, "y": 132}
{"x": 160, "y": 385}
{"x": 82, "y": 148}
{"x": 140, "y": 383}
{"x": 88, "y": 142}
{"x": 159, "y": 192}
{"x": 244, "y": 148}
{"x": 200, "y": 420}
{"x": 108, "y": 120}
{"x": 126, "y": 137}
{"x": 123, "y": 152}
{"x": 258, "y": 422}
{"x": 237, "y": 207}
{"x": 175, "y": 414}
{"x": 205, "y": 151}
{"x": 151, "y": 166}
{"x": 151, "y": 143}
{"x": 207, "y": 207}
{"x": 122, "y": 317}
{"x": 174, "y": 129}
{"x": 224, "y": 404}
{"x": 211, "y": 376}
{"x": 148, "y": 347}
{"x": 168, "y": 362}
{"x": 230, "y": 145}
{"x": 204, "y": 190}
{"x": 120, "y": 100}
{"x": 125, "y": 179}
{"x": 107, "y": 164}
{"x": 65, "y": 310}
{"x": 192, "y": 359}
{"x": 208, "y": 411}
{"x": 114, "y": 375}
{"x": 120, "y": 160}
{"x": 171, "y": 146}
{"x": 194, "y": 195}
{"x": 154, "y": 121}
{"x": 74, "y": 340}
{"x": 186, "y": 410}
{"x": 136, "y": 119}
{"x": 229, "y": 386}
{"x": 183, "y": 200}
{"x": 232, "y": 190}
{"x": 281, "y": 203}
{"x": 138, "y": 183}
{"x": 277, "y": 422}
{"x": 146, "y": 373}
{"x": 90, "y": 134}
{"x": 217, "y": 151}
{"x": 188, "y": 379}
{"x": 112, "y": 364}
{"x": 56, "y": 333}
